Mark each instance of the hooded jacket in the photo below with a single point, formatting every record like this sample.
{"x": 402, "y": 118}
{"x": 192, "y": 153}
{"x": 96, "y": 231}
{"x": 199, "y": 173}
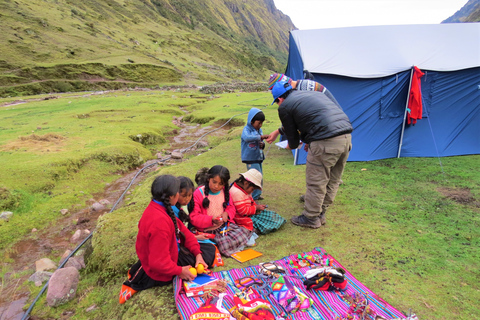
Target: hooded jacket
{"x": 311, "y": 116}
{"x": 251, "y": 138}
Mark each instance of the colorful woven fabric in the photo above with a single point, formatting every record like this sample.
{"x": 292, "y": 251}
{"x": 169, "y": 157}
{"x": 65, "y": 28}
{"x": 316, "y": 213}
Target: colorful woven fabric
{"x": 327, "y": 305}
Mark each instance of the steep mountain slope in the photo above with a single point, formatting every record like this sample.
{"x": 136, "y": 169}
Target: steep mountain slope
{"x": 470, "y": 12}
{"x": 66, "y": 45}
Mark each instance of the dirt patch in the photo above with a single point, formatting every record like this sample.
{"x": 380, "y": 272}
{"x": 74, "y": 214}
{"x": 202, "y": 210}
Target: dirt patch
{"x": 49, "y": 142}
{"x": 461, "y": 195}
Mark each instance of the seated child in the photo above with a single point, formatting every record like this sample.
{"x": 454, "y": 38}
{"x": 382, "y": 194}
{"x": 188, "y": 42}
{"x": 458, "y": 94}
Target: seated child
{"x": 249, "y": 214}
{"x": 214, "y": 212}
{"x": 164, "y": 246}
{"x": 185, "y": 205}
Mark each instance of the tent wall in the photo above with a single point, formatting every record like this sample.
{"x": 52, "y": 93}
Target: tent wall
{"x": 451, "y": 115}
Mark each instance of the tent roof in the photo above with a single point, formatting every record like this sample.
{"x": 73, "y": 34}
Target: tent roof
{"x": 377, "y": 51}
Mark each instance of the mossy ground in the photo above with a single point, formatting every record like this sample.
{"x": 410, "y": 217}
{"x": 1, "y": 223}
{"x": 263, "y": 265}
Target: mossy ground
{"x": 407, "y": 228}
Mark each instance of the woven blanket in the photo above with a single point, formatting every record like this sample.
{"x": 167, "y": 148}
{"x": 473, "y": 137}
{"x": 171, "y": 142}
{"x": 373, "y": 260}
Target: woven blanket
{"x": 326, "y": 304}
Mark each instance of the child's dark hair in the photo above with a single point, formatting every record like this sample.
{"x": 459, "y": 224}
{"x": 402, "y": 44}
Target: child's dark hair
{"x": 185, "y": 184}
{"x": 260, "y": 116}
{"x": 241, "y": 182}
{"x": 201, "y": 176}
{"x": 224, "y": 175}
{"x": 163, "y": 187}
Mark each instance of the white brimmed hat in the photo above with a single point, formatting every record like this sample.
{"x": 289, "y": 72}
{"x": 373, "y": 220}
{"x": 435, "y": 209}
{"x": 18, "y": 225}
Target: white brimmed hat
{"x": 254, "y": 176}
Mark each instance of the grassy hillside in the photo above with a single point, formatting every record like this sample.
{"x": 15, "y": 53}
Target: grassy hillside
{"x": 57, "y": 46}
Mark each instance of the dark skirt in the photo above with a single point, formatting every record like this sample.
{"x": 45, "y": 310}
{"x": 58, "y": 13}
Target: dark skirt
{"x": 139, "y": 279}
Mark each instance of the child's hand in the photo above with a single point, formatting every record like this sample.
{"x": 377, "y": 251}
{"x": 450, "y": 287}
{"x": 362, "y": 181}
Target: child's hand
{"x": 186, "y": 274}
{"x": 201, "y": 237}
{"x": 225, "y": 216}
{"x": 217, "y": 221}
{"x": 260, "y": 207}
{"x": 199, "y": 260}
{"x": 265, "y": 136}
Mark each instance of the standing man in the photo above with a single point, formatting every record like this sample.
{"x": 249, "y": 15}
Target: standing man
{"x": 326, "y": 130}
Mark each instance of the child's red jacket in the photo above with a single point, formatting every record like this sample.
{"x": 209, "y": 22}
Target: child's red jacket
{"x": 157, "y": 246}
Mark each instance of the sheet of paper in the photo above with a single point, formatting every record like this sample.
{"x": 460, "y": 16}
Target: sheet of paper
{"x": 283, "y": 144}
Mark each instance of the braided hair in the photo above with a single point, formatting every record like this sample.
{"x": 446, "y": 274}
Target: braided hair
{"x": 185, "y": 184}
{"x": 224, "y": 176}
{"x": 163, "y": 187}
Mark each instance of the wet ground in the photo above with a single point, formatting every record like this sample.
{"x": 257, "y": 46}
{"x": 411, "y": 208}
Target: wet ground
{"x": 13, "y": 296}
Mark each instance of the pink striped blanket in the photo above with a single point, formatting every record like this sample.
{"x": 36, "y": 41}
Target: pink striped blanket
{"x": 326, "y": 304}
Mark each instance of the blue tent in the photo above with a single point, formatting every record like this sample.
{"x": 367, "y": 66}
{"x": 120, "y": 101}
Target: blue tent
{"x": 369, "y": 71}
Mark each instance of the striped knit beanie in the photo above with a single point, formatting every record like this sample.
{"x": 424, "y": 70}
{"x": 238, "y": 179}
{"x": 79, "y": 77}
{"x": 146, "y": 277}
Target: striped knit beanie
{"x": 277, "y": 77}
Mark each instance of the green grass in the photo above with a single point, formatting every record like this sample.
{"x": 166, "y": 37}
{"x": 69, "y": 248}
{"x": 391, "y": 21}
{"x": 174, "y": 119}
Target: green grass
{"x": 407, "y": 228}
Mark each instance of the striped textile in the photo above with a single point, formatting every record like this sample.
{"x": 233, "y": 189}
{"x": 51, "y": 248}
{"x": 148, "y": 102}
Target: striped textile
{"x": 326, "y": 304}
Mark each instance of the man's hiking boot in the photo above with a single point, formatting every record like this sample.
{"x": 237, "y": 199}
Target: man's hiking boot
{"x": 303, "y": 221}
{"x": 323, "y": 218}
{"x": 302, "y": 198}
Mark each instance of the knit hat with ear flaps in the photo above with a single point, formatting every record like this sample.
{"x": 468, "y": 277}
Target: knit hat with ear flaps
{"x": 254, "y": 176}
{"x": 277, "y": 77}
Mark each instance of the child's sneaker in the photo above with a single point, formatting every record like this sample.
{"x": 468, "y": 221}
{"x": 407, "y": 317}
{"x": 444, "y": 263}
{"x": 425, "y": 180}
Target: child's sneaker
{"x": 126, "y": 293}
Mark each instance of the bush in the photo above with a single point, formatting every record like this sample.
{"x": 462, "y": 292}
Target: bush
{"x": 8, "y": 200}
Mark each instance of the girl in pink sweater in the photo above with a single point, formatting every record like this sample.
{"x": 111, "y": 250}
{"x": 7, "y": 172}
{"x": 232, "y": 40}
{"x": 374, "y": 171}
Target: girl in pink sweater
{"x": 214, "y": 212}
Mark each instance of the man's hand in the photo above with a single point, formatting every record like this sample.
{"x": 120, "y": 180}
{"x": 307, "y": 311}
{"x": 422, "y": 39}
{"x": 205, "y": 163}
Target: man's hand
{"x": 272, "y": 136}
{"x": 305, "y": 147}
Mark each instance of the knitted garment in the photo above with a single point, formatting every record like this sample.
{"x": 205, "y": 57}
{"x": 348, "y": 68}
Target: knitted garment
{"x": 201, "y": 218}
{"x": 244, "y": 205}
{"x": 278, "y": 77}
{"x": 309, "y": 85}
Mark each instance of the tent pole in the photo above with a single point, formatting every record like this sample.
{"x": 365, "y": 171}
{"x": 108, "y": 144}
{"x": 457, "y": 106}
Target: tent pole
{"x": 405, "y": 114}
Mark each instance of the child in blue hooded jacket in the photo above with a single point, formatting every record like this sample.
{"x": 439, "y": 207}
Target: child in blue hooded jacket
{"x": 252, "y": 144}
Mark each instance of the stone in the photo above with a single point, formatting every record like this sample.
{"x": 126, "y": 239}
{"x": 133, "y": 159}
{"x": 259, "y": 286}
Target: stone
{"x": 62, "y": 286}
{"x": 79, "y": 235}
{"x": 105, "y": 202}
{"x": 6, "y": 215}
{"x": 40, "y": 277}
{"x": 34, "y": 230}
{"x": 202, "y": 144}
{"x": 177, "y": 155}
{"x": 44, "y": 264}
{"x": 64, "y": 256}
{"x": 97, "y": 206}
{"x": 64, "y": 211}
{"x": 159, "y": 155}
{"x": 76, "y": 262}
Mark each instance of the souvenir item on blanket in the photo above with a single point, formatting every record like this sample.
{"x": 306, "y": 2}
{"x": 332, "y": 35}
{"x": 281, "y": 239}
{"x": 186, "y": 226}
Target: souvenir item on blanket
{"x": 359, "y": 307}
{"x": 289, "y": 296}
{"x": 211, "y": 310}
{"x": 231, "y": 238}
{"x": 247, "y": 282}
{"x": 267, "y": 221}
{"x": 202, "y": 284}
{"x": 217, "y": 261}
{"x": 271, "y": 269}
{"x": 251, "y": 306}
{"x": 325, "y": 279}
